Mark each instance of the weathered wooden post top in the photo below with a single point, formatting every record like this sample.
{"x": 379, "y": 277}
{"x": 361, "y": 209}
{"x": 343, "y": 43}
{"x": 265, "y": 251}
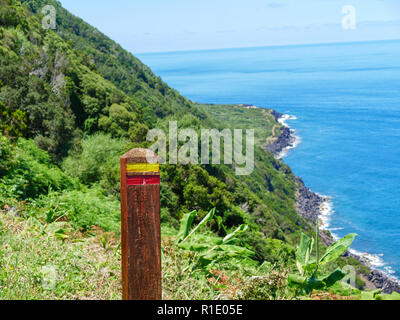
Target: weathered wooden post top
{"x": 140, "y": 225}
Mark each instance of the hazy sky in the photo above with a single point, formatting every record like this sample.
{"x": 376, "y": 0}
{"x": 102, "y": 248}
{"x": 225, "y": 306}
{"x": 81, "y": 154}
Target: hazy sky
{"x": 173, "y": 25}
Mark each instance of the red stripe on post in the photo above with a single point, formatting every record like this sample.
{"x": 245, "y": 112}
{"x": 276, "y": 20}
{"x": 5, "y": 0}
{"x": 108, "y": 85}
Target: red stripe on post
{"x": 142, "y": 180}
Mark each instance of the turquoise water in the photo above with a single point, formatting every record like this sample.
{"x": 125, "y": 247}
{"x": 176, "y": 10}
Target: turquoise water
{"x": 346, "y": 98}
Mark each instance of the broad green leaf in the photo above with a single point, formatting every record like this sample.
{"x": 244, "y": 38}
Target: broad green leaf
{"x": 241, "y": 229}
{"x": 186, "y": 223}
{"x": 337, "y": 249}
{"x": 296, "y": 280}
{"x": 207, "y": 218}
{"x": 299, "y": 267}
{"x": 206, "y": 259}
{"x": 198, "y": 247}
{"x": 310, "y": 267}
{"x": 303, "y": 252}
{"x": 236, "y": 250}
{"x": 334, "y": 277}
{"x": 314, "y": 283}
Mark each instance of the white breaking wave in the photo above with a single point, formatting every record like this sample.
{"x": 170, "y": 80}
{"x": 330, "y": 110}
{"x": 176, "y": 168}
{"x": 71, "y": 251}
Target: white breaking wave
{"x": 296, "y": 139}
{"x": 282, "y": 120}
{"x": 326, "y": 212}
{"x": 375, "y": 261}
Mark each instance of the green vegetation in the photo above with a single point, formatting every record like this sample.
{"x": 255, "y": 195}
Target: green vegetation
{"x": 309, "y": 268}
{"x": 210, "y": 252}
{"x": 219, "y": 268}
{"x": 96, "y": 161}
{"x": 40, "y": 260}
{"x": 247, "y": 117}
{"x": 71, "y": 102}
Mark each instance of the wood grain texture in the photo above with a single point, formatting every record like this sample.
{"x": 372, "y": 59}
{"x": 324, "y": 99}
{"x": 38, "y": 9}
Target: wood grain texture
{"x": 140, "y": 232}
{"x": 144, "y": 243}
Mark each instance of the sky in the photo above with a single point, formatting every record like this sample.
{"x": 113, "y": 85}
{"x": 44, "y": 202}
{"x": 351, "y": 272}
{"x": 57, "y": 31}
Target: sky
{"x": 180, "y": 25}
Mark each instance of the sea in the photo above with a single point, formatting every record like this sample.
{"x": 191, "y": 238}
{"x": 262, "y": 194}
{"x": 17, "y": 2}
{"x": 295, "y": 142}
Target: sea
{"x": 342, "y": 101}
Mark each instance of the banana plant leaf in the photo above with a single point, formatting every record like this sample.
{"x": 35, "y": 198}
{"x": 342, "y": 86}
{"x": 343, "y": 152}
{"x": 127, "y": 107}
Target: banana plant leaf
{"x": 197, "y": 247}
{"x": 337, "y": 249}
{"x": 334, "y": 277}
{"x": 206, "y": 219}
{"x": 313, "y": 283}
{"x": 236, "y": 250}
{"x": 296, "y": 281}
{"x": 186, "y": 223}
{"x": 240, "y": 229}
{"x": 303, "y": 252}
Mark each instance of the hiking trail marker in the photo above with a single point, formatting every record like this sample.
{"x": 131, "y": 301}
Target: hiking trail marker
{"x": 140, "y": 225}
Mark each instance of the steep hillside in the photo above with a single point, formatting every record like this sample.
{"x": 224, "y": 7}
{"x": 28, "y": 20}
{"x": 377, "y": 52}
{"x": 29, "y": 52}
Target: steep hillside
{"x": 59, "y": 86}
{"x": 120, "y": 67}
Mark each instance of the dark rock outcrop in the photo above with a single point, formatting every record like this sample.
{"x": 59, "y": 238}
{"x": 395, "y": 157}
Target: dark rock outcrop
{"x": 308, "y": 202}
{"x": 277, "y": 115}
{"x": 383, "y": 282}
{"x": 284, "y": 140}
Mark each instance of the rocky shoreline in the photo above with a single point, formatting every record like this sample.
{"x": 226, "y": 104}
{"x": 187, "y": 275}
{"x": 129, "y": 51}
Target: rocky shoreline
{"x": 309, "y": 206}
{"x": 284, "y": 141}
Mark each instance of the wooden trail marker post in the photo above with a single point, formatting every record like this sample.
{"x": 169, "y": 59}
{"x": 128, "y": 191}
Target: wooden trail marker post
{"x": 140, "y": 225}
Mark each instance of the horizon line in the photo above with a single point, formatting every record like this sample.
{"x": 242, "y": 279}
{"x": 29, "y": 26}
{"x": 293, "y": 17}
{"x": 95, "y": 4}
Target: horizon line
{"x": 266, "y": 46}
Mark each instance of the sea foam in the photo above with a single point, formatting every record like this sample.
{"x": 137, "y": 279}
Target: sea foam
{"x": 296, "y": 139}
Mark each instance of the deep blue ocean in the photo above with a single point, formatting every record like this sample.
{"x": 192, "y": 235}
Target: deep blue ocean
{"x": 346, "y": 98}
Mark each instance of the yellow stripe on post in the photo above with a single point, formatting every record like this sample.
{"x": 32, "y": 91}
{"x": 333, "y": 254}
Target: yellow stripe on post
{"x": 143, "y": 167}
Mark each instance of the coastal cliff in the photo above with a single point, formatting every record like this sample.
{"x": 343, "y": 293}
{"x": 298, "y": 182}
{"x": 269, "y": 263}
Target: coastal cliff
{"x": 309, "y": 205}
{"x": 284, "y": 140}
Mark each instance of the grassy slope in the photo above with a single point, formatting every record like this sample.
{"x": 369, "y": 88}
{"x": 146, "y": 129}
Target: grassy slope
{"x": 239, "y": 116}
{"x": 84, "y": 268}
{"x": 89, "y": 267}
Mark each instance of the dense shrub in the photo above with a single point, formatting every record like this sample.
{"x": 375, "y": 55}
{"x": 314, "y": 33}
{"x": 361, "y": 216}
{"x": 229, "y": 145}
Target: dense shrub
{"x": 7, "y": 154}
{"x": 96, "y": 160}
{"x": 29, "y": 172}
{"x": 11, "y": 15}
{"x": 83, "y": 209}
